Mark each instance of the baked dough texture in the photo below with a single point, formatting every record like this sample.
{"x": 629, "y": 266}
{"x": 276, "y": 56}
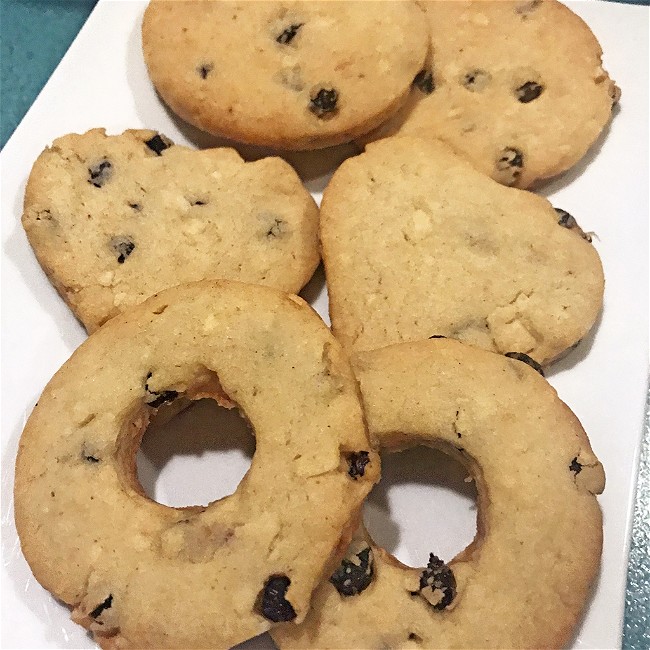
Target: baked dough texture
{"x": 293, "y": 75}
{"x": 517, "y": 88}
{"x": 524, "y": 580}
{"x": 417, "y": 243}
{"x": 139, "y": 574}
{"x": 115, "y": 219}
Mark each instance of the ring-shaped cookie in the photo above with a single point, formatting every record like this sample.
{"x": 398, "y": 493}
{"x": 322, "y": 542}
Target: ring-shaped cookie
{"x": 140, "y": 574}
{"x": 523, "y": 581}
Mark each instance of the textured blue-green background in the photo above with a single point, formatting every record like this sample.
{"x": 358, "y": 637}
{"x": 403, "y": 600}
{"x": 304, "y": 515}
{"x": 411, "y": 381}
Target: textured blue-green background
{"x": 35, "y": 35}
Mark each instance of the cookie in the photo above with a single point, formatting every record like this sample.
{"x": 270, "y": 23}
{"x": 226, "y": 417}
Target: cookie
{"x": 524, "y": 580}
{"x": 293, "y": 75}
{"x": 139, "y": 574}
{"x": 515, "y": 87}
{"x": 417, "y": 243}
{"x": 115, "y": 219}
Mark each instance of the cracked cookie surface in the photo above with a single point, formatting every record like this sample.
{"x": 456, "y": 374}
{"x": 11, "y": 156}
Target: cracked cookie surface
{"x": 417, "y": 243}
{"x": 139, "y": 574}
{"x": 517, "y": 87}
{"x": 292, "y": 75}
{"x": 115, "y": 219}
{"x": 539, "y": 526}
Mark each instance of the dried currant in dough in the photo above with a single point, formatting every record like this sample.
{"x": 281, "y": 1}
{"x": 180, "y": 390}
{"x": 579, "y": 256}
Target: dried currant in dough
{"x": 357, "y": 462}
{"x": 568, "y": 221}
{"x": 204, "y": 70}
{"x": 424, "y": 81}
{"x": 123, "y": 247}
{"x": 509, "y": 165}
{"x": 257, "y": 561}
{"x": 158, "y": 144}
{"x": 476, "y": 80}
{"x": 100, "y": 173}
{"x": 272, "y": 602}
{"x": 520, "y": 356}
{"x": 159, "y": 397}
{"x": 528, "y": 91}
{"x": 288, "y": 34}
{"x": 323, "y": 101}
{"x": 355, "y": 573}
{"x": 102, "y": 606}
{"x": 437, "y": 583}
{"x": 575, "y": 466}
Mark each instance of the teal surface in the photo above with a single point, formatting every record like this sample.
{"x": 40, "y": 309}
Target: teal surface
{"x": 35, "y": 35}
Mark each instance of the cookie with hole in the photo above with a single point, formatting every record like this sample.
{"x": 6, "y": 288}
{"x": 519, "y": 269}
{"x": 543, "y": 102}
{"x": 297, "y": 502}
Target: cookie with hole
{"x": 113, "y": 219}
{"x": 286, "y": 74}
{"x": 525, "y": 579}
{"x": 139, "y": 574}
{"x": 418, "y": 243}
{"x": 516, "y": 87}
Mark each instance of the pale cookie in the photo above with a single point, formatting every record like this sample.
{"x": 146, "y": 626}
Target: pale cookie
{"x": 293, "y": 75}
{"x": 115, "y": 219}
{"x": 417, "y": 243}
{"x": 524, "y": 580}
{"x": 139, "y": 574}
{"x": 516, "y": 87}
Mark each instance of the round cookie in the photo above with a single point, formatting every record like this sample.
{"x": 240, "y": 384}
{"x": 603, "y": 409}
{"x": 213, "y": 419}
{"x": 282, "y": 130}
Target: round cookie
{"x": 293, "y": 75}
{"x": 417, "y": 243}
{"x": 115, "y": 219}
{"x": 139, "y": 574}
{"x": 524, "y": 580}
{"x": 517, "y": 88}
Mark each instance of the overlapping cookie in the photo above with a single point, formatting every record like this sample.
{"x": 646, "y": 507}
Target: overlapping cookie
{"x": 289, "y": 74}
{"x": 524, "y": 580}
{"x": 115, "y": 219}
{"x": 139, "y": 574}
{"x": 516, "y": 87}
{"x": 417, "y": 243}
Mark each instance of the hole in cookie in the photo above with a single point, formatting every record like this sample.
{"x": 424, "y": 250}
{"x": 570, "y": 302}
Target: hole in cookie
{"x": 199, "y": 455}
{"x": 422, "y": 505}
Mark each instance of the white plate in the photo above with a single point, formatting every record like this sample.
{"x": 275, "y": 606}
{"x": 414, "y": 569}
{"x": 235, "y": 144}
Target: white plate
{"x": 102, "y": 82}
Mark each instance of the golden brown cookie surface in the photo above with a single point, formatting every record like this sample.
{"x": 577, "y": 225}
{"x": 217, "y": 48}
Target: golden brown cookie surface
{"x": 140, "y": 574}
{"x": 115, "y": 219}
{"x": 418, "y": 243}
{"x": 524, "y": 580}
{"x": 516, "y": 87}
{"x": 293, "y": 75}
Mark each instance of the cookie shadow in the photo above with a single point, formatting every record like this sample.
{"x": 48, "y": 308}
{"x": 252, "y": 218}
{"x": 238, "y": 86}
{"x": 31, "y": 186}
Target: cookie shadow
{"x": 576, "y": 354}
{"x": 313, "y": 290}
{"x": 417, "y": 466}
{"x": 315, "y": 168}
{"x": 261, "y": 642}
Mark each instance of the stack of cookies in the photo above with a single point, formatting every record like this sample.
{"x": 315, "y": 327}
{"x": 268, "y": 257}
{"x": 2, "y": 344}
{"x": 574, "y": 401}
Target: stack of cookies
{"x": 450, "y": 289}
